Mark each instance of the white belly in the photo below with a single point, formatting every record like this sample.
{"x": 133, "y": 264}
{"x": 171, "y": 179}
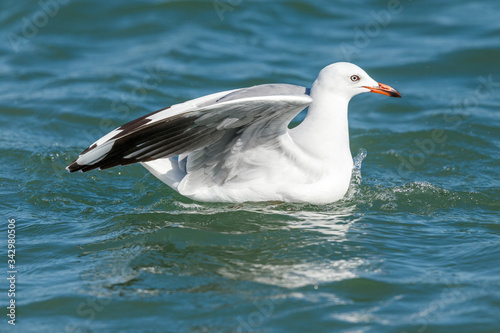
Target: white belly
{"x": 261, "y": 175}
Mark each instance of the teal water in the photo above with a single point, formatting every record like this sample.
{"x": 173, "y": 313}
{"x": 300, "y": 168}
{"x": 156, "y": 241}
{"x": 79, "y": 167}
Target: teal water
{"x": 414, "y": 246}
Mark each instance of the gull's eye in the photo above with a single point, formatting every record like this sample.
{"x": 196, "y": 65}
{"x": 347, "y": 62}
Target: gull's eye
{"x": 354, "y": 78}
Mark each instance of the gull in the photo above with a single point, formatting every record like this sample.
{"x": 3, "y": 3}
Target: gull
{"x": 236, "y": 146}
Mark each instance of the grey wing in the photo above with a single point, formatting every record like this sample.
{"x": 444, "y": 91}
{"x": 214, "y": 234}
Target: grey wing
{"x": 208, "y": 123}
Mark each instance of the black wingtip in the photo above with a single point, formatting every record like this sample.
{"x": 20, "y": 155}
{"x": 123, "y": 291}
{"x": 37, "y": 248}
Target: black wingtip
{"x": 75, "y": 167}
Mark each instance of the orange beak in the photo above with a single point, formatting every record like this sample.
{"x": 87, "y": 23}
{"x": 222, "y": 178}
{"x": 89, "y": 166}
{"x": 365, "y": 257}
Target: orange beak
{"x": 384, "y": 90}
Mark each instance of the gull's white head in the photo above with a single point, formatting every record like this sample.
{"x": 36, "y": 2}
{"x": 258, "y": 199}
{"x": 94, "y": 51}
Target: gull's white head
{"x": 348, "y": 80}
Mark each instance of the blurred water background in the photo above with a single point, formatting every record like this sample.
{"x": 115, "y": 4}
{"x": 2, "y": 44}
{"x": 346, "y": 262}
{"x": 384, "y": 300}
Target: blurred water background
{"x": 414, "y": 247}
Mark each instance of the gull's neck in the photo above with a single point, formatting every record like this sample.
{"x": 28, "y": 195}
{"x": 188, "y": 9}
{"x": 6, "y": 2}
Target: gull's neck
{"x": 324, "y": 133}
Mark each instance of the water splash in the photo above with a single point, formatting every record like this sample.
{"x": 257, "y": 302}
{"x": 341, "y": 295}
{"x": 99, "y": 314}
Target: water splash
{"x": 356, "y": 178}
{"x": 359, "y": 159}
